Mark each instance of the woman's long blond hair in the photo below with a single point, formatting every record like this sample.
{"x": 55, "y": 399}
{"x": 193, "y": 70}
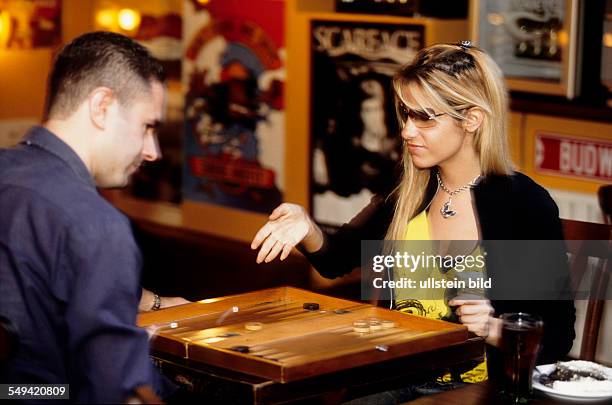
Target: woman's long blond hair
{"x": 451, "y": 78}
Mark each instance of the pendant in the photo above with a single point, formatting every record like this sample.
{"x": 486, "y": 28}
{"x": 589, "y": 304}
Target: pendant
{"x": 446, "y": 210}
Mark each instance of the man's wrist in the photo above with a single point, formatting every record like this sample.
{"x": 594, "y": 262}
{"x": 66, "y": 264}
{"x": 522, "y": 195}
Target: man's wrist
{"x": 156, "y": 302}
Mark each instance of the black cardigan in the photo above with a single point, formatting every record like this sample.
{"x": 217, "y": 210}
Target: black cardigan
{"x": 508, "y": 208}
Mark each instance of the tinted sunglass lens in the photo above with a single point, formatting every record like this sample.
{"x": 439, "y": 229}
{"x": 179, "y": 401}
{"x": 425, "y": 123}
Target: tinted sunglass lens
{"x": 421, "y": 119}
{"x": 403, "y": 113}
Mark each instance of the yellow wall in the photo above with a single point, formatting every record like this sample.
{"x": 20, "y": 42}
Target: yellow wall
{"x": 23, "y": 73}
{"x": 515, "y": 132}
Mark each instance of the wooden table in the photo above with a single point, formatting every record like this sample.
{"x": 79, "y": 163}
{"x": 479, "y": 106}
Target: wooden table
{"x": 299, "y": 355}
{"x": 477, "y": 394}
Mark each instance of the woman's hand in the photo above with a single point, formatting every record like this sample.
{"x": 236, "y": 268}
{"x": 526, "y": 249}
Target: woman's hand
{"x": 288, "y": 225}
{"x": 477, "y": 315}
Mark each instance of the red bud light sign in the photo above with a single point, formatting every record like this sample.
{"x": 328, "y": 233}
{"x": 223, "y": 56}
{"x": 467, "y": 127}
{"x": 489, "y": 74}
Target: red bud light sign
{"x": 573, "y": 157}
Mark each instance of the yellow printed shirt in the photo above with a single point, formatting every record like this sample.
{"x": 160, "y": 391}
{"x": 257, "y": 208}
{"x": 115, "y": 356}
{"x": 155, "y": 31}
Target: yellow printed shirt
{"x": 434, "y": 304}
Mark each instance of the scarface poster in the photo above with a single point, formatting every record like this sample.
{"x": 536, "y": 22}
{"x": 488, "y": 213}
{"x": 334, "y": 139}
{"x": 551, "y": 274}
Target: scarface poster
{"x": 355, "y": 134}
{"x": 234, "y": 74}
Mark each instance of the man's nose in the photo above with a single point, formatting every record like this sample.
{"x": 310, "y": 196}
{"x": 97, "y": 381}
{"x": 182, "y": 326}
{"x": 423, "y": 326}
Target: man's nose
{"x": 150, "y": 149}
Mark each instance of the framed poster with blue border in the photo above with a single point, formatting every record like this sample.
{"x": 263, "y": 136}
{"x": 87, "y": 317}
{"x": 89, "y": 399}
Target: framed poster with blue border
{"x": 234, "y": 73}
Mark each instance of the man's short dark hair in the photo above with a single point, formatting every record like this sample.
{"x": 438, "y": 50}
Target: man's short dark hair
{"x": 99, "y": 59}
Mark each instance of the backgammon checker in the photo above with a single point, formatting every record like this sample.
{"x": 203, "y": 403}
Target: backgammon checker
{"x": 280, "y": 334}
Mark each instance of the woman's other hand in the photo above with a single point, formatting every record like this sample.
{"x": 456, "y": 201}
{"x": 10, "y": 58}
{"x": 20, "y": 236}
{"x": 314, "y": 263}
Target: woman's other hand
{"x": 287, "y": 226}
{"x": 477, "y": 315}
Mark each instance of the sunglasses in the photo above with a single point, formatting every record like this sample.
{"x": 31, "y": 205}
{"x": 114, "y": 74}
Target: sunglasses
{"x": 420, "y": 119}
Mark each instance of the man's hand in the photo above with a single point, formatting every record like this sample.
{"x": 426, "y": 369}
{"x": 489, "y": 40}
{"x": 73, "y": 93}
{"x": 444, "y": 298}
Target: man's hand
{"x": 147, "y": 300}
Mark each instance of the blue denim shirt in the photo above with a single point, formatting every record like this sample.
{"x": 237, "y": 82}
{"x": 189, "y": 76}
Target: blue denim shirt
{"x": 69, "y": 276}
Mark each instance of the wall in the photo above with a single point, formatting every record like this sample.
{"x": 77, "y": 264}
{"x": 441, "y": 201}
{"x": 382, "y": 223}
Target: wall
{"x": 23, "y": 73}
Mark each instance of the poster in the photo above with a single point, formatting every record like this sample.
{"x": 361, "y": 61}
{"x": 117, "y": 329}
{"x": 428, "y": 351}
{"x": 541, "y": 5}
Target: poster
{"x": 355, "y": 134}
{"x": 234, "y": 73}
{"x": 525, "y": 37}
{"x": 28, "y": 24}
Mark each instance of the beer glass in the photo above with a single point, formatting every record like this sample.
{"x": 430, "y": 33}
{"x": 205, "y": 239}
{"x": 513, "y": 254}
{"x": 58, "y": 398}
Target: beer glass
{"x": 520, "y": 342}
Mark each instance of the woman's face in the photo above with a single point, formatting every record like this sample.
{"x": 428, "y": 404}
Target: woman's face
{"x": 432, "y": 143}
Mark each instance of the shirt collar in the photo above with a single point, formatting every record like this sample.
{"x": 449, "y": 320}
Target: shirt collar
{"x": 48, "y": 141}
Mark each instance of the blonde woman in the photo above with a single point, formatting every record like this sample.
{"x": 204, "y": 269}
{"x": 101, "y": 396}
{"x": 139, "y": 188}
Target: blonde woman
{"x": 457, "y": 183}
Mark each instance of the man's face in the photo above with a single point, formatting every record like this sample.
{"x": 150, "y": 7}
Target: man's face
{"x": 130, "y": 138}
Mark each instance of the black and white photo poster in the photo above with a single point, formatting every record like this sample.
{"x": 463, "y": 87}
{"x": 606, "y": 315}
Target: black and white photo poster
{"x": 355, "y": 135}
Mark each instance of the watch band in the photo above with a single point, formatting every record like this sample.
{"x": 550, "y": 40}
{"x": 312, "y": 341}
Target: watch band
{"x": 156, "y": 302}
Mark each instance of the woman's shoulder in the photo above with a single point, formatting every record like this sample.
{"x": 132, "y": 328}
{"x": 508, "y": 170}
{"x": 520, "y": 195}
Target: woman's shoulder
{"x": 528, "y": 208}
{"x": 526, "y": 189}
{"x": 532, "y": 201}
{"x": 521, "y": 187}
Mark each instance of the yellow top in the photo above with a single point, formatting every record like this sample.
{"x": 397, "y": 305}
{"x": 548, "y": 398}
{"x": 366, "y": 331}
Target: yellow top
{"x": 436, "y": 305}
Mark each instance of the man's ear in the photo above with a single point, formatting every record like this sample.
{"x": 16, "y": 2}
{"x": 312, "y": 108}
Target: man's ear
{"x": 99, "y": 101}
{"x": 473, "y": 119}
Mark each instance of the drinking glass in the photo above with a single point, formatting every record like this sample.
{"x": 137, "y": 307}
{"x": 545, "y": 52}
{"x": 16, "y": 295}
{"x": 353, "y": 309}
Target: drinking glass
{"x": 520, "y": 343}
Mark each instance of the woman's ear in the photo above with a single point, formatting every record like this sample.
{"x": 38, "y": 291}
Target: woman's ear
{"x": 99, "y": 101}
{"x": 473, "y": 119}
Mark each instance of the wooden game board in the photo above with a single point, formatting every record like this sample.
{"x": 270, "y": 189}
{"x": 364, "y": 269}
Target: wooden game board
{"x": 293, "y": 343}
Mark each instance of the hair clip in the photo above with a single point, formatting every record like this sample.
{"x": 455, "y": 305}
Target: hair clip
{"x": 465, "y": 45}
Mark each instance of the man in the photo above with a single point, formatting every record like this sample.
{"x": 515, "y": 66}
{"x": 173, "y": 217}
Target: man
{"x": 69, "y": 266}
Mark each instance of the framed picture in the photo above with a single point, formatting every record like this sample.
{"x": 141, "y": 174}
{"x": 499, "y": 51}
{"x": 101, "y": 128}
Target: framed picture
{"x": 234, "y": 74}
{"x": 535, "y": 42}
{"x": 354, "y": 131}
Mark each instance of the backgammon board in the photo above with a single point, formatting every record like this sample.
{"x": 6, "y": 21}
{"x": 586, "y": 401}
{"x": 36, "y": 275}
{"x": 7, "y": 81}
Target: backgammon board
{"x": 287, "y": 334}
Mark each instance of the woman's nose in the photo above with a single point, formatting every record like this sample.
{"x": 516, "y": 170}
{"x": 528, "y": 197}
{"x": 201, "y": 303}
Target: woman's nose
{"x": 409, "y": 130}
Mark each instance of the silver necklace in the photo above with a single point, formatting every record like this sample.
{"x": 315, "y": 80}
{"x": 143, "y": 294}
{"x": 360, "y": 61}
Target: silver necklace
{"x": 446, "y": 210}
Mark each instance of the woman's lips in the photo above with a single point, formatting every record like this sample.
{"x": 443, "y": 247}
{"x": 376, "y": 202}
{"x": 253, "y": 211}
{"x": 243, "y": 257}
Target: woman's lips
{"x": 413, "y": 147}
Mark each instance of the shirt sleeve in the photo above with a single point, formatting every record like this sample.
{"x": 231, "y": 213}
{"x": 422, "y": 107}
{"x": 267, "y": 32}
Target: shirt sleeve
{"x": 341, "y": 251}
{"x": 108, "y": 352}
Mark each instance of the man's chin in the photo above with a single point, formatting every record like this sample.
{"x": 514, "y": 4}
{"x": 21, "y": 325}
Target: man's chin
{"x": 110, "y": 184}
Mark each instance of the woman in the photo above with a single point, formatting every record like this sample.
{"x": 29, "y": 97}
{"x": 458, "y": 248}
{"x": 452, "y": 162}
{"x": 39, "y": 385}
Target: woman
{"x": 457, "y": 184}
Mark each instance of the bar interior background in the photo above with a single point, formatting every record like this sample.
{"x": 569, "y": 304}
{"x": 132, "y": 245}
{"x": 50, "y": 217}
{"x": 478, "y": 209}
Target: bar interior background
{"x": 561, "y": 132}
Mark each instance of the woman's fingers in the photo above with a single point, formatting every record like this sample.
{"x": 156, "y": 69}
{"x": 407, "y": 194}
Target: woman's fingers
{"x": 456, "y": 302}
{"x": 468, "y": 309}
{"x": 478, "y": 324}
{"x": 277, "y": 213}
{"x": 480, "y": 329}
{"x": 287, "y": 226}
{"x": 261, "y": 235}
{"x": 276, "y": 249}
{"x": 286, "y": 251}
{"x": 265, "y": 249}
{"x": 479, "y": 318}
{"x": 474, "y": 314}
